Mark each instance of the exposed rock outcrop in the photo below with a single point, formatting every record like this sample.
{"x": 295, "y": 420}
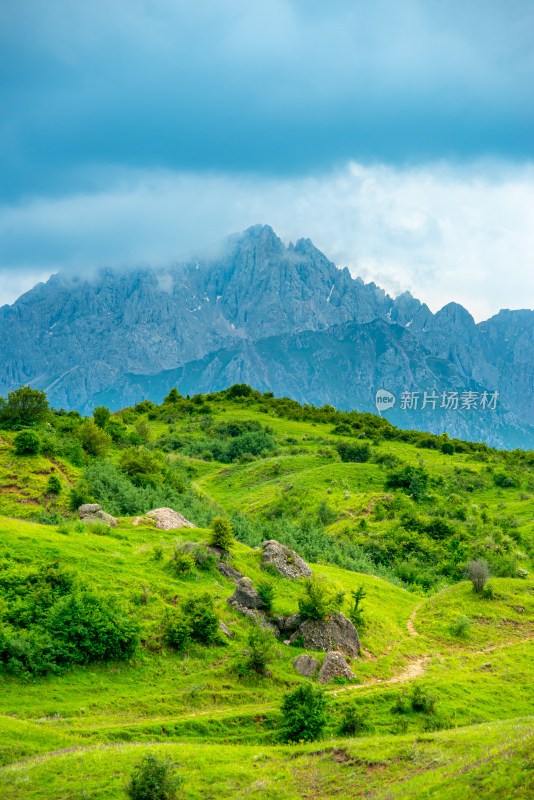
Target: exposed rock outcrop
{"x": 249, "y": 602}
{"x": 288, "y": 625}
{"x": 306, "y": 665}
{"x": 334, "y": 666}
{"x": 284, "y": 560}
{"x": 167, "y": 519}
{"x": 246, "y": 595}
{"x": 335, "y": 633}
{"x": 92, "y": 512}
{"x": 228, "y": 572}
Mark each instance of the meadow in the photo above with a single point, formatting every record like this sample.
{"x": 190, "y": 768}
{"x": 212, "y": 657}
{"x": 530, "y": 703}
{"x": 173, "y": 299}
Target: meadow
{"x": 442, "y": 697}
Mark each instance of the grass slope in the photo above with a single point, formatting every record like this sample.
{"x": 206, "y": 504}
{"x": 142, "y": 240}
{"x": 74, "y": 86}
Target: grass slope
{"x": 79, "y": 733}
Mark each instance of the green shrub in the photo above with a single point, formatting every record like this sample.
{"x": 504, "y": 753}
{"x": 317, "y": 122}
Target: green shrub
{"x": 402, "y": 704}
{"x": 53, "y": 485}
{"x": 98, "y": 528}
{"x": 239, "y": 390}
{"x": 27, "y": 653}
{"x": 354, "y": 452}
{"x": 101, "y": 416}
{"x": 154, "y": 778}
{"x": 27, "y": 443}
{"x": 143, "y": 467}
{"x": 447, "y": 448}
{"x": 320, "y": 600}
{"x": 504, "y": 480}
{"x": 304, "y": 714}
{"x": 91, "y": 629}
{"x": 182, "y": 563}
{"x": 93, "y": 439}
{"x": 422, "y": 701}
{"x": 461, "y": 626}
{"x": 222, "y": 535}
{"x": 177, "y": 629}
{"x": 478, "y": 573}
{"x": 412, "y": 480}
{"x": 325, "y": 514}
{"x": 261, "y": 649}
{"x": 266, "y": 590}
{"x": 355, "y": 721}
{"x": 202, "y": 618}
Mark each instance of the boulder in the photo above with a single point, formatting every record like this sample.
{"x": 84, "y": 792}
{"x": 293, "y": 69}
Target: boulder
{"x": 228, "y": 572}
{"x": 246, "y": 595}
{"x": 92, "y": 512}
{"x": 224, "y": 628}
{"x": 289, "y": 624}
{"x": 306, "y": 665}
{"x": 284, "y": 560}
{"x": 336, "y": 632}
{"x": 167, "y": 519}
{"x": 334, "y": 666}
{"x": 249, "y": 602}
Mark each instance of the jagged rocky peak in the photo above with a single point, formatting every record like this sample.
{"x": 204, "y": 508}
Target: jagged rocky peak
{"x": 454, "y": 314}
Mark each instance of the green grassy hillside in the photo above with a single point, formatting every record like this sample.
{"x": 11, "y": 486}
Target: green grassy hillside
{"x": 442, "y": 690}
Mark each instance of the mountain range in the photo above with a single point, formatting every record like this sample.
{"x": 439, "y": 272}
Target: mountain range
{"x": 283, "y": 319}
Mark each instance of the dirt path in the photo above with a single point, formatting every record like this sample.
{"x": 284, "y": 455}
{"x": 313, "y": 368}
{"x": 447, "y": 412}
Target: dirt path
{"x": 60, "y": 469}
{"x": 411, "y": 620}
{"x": 414, "y": 670}
{"x": 75, "y": 749}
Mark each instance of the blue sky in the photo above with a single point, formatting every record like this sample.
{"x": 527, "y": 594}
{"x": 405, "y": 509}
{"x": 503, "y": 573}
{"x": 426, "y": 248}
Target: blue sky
{"x": 392, "y": 133}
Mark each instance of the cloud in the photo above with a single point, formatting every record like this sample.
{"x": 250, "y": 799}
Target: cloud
{"x": 285, "y": 87}
{"x": 444, "y": 232}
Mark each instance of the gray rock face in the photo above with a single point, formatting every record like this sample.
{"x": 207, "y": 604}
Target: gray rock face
{"x": 167, "y": 519}
{"x": 92, "y": 512}
{"x": 246, "y": 595}
{"x": 306, "y": 665}
{"x": 249, "y": 602}
{"x": 228, "y": 572}
{"x": 334, "y": 666}
{"x": 289, "y": 624}
{"x": 284, "y": 560}
{"x": 282, "y": 319}
{"x": 338, "y": 633}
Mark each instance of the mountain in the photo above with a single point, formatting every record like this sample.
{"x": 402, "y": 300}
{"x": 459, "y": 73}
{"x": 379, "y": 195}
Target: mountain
{"x": 284, "y": 319}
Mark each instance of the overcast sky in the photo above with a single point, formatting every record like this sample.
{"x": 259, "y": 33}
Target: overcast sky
{"x": 398, "y": 136}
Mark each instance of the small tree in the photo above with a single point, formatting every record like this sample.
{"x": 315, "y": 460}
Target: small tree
{"x": 319, "y": 600}
{"x": 266, "y": 591}
{"x": 355, "y": 609}
{"x": 24, "y": 408}
{"x": 478, "y": 573}
{"x": 304, "y": 714}
{"x": 93, "y": 439}
{"x": 54, "y": 485}
{"x": 154, "y": 778}
{"x": 101, "y": 416}
{"x": 173, "y": 397}
{"x": 222, "y": 535}
{"x": 27, "y": 443}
